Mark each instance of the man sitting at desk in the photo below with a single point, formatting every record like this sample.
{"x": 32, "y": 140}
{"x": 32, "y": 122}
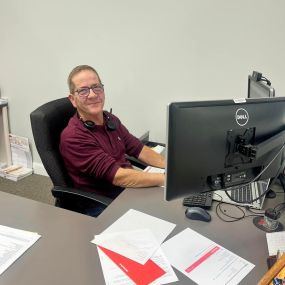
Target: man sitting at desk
{"x": 95, "y": 143}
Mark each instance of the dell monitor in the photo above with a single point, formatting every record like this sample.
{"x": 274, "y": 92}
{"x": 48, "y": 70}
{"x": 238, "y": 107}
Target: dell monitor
{"x": 259, "y": 86}
{"x": 213, "y": 145}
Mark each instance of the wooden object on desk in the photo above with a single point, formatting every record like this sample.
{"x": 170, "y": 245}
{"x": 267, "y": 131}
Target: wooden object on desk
{"x": 273, "y": 271}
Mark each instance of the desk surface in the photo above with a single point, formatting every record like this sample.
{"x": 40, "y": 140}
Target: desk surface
{"x": 241, "y": 237}
{"x": 64, "y": 254}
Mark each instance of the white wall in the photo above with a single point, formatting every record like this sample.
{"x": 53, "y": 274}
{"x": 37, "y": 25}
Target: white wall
{"x": 147, "y": 53}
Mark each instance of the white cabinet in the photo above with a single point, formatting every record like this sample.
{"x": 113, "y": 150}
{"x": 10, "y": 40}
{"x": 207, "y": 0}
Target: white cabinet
{"x": 5, "y": 151}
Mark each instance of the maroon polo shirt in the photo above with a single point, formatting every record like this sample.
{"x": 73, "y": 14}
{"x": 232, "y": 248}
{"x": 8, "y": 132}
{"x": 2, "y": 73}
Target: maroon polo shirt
{"x": 92, "y": 157}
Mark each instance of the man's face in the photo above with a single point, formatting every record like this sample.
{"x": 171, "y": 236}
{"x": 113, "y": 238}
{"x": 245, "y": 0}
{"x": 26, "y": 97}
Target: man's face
{"x": 90, "y": 105}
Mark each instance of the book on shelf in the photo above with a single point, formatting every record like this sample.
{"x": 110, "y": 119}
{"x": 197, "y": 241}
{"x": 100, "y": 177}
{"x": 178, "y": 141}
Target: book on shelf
{"x": 15, "y": 172}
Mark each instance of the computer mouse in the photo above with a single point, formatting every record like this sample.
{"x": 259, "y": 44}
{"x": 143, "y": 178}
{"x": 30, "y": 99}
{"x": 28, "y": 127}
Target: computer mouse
{"x": 197, "y": 213}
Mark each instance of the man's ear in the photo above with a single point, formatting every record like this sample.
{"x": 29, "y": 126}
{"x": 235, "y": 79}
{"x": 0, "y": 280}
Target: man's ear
{"x": 72, "y": 100}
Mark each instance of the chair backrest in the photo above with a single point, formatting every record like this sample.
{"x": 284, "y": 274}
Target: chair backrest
{"x": 47, "y": 122}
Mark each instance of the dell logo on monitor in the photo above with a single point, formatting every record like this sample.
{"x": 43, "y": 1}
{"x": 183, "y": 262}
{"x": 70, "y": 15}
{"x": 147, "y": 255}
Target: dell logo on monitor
{"x": 242, "y": 117}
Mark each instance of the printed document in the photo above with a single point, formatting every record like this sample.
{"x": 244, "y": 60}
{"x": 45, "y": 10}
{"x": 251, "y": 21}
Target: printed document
{"x": 13, "y": 243}
{"x": 194, "y": 255}
{"x": 115, "y": 276}
{"x": 142, "y": 274}
{"x": 137, "y": 236}
{"x": 136, "y": 220}
{"x": 275, "y": 242}
{"x": 21, "y": 154}
{"x": 138, "y": 245}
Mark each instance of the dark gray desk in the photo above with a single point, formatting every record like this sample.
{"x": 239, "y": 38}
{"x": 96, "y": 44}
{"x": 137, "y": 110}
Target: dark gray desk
{"x": 241, "y": 237}
{"x": 64, "y": 254}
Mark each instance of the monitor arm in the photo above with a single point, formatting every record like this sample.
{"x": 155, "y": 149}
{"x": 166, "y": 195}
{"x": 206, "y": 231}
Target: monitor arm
{"x": 258, "y": 150}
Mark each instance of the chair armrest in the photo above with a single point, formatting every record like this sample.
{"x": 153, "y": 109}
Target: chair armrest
{"x": 136, "y": 162}
{"x": 61, "y": 191}
{"x": 153, "y": 144}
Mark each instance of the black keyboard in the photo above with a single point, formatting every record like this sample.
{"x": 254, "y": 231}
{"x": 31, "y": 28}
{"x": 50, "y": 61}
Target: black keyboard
{"x": 203, "y": 200}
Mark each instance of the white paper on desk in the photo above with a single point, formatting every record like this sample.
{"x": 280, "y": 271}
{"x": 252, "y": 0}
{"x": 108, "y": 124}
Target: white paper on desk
{"x": 135, "y": 220}
{"x": 138, "y": 245}
{"x": 113, "y": 275}
{"x": 275, "y": 242}
{"x": 204, "y": 261}
{"x": 13, "y": 243}
{"x": 152, "y": 169}
{"x": 158, "y": 148}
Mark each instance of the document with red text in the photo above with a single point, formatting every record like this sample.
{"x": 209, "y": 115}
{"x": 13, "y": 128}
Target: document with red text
{"x": 115, "y": 276}
{"x": 194, "y": 254}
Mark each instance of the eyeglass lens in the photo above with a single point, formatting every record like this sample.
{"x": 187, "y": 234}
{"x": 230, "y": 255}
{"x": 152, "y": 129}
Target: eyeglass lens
{"x": 86, "y": 91}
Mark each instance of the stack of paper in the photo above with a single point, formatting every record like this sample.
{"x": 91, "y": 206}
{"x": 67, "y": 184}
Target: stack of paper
{"x": 15, "y": 172}
{"x": 20, "y": 149}
{"x": 21, "y": 159}
{"x": 130, "y": 251}
{"x": 13, "y": 243}
{"x": 2, "y": 165}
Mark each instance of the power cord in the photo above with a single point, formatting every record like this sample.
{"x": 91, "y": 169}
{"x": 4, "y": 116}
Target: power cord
{"x": 266, "y": 80}
{"x": 256, "y": 178}
{"x": 222, "y": 212}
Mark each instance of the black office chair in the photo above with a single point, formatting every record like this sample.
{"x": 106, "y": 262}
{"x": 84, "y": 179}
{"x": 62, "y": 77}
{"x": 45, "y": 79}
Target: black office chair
{"x": 47, "y": 122}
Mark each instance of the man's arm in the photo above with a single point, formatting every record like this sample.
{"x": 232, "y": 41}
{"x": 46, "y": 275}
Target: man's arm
{"x": 126, "y": 177}
{"x": 151, "y": 157}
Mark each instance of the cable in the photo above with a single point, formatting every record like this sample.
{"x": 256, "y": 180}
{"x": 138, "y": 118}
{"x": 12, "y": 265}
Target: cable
{"x": 234, "y": 219}
{"x": 255, "y": 178}
{"x": 220, "y": 212}
{"x": 266, "y": 80}
{"x": 281, "y": 209}
{"x": 250, "y": 210}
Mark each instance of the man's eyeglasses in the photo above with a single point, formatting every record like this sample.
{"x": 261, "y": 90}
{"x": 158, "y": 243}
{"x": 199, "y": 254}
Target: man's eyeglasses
{"x": 85, "y": 91}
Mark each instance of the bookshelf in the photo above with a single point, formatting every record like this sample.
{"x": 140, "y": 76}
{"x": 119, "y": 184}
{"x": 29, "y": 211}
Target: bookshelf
{"x": 5, "y": 151}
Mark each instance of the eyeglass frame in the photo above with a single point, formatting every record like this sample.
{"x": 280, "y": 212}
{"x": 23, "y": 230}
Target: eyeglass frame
{"x": 100, "y": 85}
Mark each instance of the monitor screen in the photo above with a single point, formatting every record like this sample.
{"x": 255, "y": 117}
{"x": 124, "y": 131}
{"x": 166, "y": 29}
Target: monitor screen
{"x": 218, "y": 144}
{"x": 259, "y": 89}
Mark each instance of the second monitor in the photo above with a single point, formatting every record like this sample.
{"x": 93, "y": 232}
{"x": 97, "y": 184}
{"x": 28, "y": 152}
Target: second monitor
{"x": 259, "y": 86}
